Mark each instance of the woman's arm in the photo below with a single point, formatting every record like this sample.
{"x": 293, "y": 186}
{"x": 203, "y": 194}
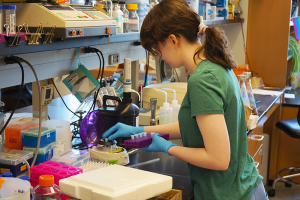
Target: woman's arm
{"x": 172, "y": 129}
{"x": 216, "y": 154}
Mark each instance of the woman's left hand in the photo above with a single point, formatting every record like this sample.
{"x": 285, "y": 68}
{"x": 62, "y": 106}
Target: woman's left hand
{"x": 158, "y": 144}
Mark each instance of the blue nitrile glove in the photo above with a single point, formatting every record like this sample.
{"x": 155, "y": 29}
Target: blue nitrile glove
{"x": 159, "y": 144}
{"x": 122, "y": 130}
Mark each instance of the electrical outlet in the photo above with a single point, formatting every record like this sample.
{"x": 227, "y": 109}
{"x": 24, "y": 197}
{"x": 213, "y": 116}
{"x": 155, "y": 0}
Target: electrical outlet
{"x": 114, "y": 59}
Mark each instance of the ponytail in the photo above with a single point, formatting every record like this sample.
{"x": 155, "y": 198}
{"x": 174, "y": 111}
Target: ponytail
{"x": 216, "y": 48}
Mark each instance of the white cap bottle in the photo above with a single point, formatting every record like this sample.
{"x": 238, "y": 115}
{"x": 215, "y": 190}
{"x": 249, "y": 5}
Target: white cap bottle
{"x": 165, "y": 112}
{"x": 175, "y": 106}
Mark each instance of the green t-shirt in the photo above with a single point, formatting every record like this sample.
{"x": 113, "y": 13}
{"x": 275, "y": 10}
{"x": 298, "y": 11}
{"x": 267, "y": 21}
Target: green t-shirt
{"x": 212, "y": 89}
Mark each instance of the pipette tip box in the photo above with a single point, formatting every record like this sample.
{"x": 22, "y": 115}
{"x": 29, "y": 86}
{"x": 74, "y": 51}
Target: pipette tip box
{"x": 30, "y": 136}
{"x": 45, "y": 153}
{"x": 13, "y": 164}
{"x": 73, "y": 157}
{"x": 143, "y": 141}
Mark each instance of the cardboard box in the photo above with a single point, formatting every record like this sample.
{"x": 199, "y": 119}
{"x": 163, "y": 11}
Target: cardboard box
{"x": 205, "y": 10}
{"x": 171, "y": 195}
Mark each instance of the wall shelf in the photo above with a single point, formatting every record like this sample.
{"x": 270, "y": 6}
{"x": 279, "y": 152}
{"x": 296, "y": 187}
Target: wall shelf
{"x": 219, "y": 22}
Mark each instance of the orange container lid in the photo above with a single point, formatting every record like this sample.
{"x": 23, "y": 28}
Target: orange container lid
{"x": 100, "y": 5}
{"x": 46, "y": 180}
{"x": 132, "y": 6}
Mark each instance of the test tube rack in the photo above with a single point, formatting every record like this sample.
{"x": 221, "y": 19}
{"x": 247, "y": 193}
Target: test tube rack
{"x": 142, "y": 140}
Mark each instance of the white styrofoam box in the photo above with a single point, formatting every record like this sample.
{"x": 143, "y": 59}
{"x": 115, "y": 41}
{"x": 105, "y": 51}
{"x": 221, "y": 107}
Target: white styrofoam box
{"x": 116, "y": 182}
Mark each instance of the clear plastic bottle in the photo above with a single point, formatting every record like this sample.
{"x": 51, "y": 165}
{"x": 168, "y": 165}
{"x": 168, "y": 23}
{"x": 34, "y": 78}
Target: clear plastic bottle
{"x": 242, "y": 79}
{"x": 175, "y": 106}
{"x": 250, "y": 92}
{"x": 1, "y": 19}
{"x": 107, "y": 6}
{"x": 11, "y": 18}
{"x": 46, "y": 189}
{"x": 165, "y": 112}
{"x": 125, "y": 16}
{"x": 133, "y": 18}
{"x": 117, "y": 15}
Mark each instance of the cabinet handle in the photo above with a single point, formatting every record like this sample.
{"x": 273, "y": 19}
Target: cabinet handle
{"x": 257, "y": 137}
{"x": 256, "y": 164}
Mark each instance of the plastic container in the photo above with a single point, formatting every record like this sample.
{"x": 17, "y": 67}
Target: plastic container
{"x": 14, "y": 189}
{"x": 165, "y": 112}
{"x": 1, "y": 22}
{"x": 30, "y": 136}
{"x": 175, "y": 106}
{"x": 72, "y": 157}
{"x": 45, "y": 153}
{"x": 143, "y": 141}
{"x": 13, "y": 164}
{"x": 11, "y": 18}
{"x": 142, "y": 9}
{"x": 194, "y": 4}
{"x": 117, "y": 15}
{"x": 13, "y": 138}
{"x": 133, "y": 20}
{"x": 125, "y": 16}
{"x": 46, "y": 189}
{"x": 250, "y": 93}
{"x": 242, "y": 79}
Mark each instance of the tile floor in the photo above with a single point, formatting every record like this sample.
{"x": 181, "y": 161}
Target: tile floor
{"x": 285, "y": 193}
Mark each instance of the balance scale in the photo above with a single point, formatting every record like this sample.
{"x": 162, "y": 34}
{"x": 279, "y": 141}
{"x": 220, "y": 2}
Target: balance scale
{"x": 101, "y": 150}
{"x": 70, "y": 21}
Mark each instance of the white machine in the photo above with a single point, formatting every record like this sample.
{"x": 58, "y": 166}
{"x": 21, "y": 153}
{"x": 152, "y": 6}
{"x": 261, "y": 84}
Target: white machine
{"x": 149, "y": 92}
{"x": 69, "y": 21}
{"x": 47, "y": 94}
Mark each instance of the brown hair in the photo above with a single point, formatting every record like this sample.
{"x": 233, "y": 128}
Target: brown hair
{"x": 177, "y": 18}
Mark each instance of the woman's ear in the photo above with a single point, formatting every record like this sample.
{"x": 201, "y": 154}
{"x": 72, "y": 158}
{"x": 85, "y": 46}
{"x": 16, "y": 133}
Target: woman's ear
{"x": 174, "y": 40}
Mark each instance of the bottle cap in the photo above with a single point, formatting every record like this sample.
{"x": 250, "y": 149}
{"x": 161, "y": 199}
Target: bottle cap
{"x": 46, "y": 180}
{"x": 2, "y": 180}
{"x": 132, "y": 6}
{"x": 7, "y": 174}
{"x": 25, "y": 178}
{"x": 12, "y": 7}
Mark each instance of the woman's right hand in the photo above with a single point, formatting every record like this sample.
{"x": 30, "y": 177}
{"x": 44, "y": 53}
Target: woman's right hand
{"x": 122, "y": 130}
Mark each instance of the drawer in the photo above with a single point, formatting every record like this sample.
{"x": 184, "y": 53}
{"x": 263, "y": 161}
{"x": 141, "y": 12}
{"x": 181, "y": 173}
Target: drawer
{"x": 254, "y": 142}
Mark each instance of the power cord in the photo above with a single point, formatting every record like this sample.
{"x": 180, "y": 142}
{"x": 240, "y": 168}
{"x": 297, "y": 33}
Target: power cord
{"x": 11, "y": 60}
{"x": 147, "y": 68}
{"x": 63, "y": 99}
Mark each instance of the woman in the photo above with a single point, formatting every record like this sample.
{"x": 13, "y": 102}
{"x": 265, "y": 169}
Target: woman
{"x": 212, "y": 122}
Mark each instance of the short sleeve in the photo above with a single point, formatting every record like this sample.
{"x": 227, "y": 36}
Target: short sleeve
{"x": 206, "y": 94}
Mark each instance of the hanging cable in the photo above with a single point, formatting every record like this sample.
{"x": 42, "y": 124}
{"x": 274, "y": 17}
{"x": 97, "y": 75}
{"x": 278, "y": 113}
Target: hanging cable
{"x": 63, "y": 99}
{"x": 245, "y": 50}
{"x": 147, "y": 69}
{"x": 9, "y": 60}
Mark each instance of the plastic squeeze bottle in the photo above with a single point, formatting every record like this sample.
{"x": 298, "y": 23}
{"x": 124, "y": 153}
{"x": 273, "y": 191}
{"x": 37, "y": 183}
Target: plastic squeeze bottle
{"x": 165, "y": 112}
{"x": 175, "y": 106}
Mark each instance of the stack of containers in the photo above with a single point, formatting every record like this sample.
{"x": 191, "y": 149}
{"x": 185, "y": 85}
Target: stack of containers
{"x": 30, "y": 136}
{"x": 13, "y": 164}
{"x": 76, "y": 158}
{"x": 45, "y": 153}
{"x": 13, "y": 131}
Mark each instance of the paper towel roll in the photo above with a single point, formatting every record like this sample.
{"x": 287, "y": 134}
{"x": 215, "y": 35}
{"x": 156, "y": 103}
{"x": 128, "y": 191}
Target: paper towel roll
{"x": 63, "y": 137}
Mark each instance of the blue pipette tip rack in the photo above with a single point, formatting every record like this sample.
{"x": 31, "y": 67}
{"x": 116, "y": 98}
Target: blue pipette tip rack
{"x": 143, "y": 141}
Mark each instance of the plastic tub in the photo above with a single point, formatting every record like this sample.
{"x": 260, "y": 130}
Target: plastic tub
{"x": 71, "y": 157}
{"x": 15, "y": 189}
{"x": 45, "y": 153}
{"x": 30, "y": 136}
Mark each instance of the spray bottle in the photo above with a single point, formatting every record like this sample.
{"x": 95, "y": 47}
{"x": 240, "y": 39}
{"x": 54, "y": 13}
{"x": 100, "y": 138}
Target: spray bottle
{"x": 175, "y": 106}
{"x": 165, "y": 112}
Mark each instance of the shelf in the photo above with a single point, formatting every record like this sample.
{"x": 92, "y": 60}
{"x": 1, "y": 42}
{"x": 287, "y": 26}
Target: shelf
{"x": 219, "y": 22}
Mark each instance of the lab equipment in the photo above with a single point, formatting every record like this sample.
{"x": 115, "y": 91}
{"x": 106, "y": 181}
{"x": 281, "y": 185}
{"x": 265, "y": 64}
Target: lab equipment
{"x": 46, "y": 189}
{"x": 30, "y": 136}
{"x": 105, "y": 92}
{"x": 153, "y": 111}
{"x": 15, "y": 165}
{"x": 45, "y": 153}
{"x": 90, "y": 166}
{"x": 133, "y": 20}
{"x": 47, "y": 94}
{"x": 242, "y": 79}
{"x": 1, "y": 19}
{"x": 250, "y": 93}
{"x": 11, "y": 18}
{"x": 72, "y": 21}
{"x": 175, "y": 106}
{"x": 126, "y": 112}
{"x": 81, "y": 83}
{"x": 117, "y": 15}
{"x": 143, "y": 141}
{"x": 72, "y": 157}
{"x": 116, "y": 183}
{"x": 165, "y": 112}
{"x": 13, "y": 138}
{"x": 14, "y": 189}
{"x": 58, "y": 170}
{"x": 125, "y": 16}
